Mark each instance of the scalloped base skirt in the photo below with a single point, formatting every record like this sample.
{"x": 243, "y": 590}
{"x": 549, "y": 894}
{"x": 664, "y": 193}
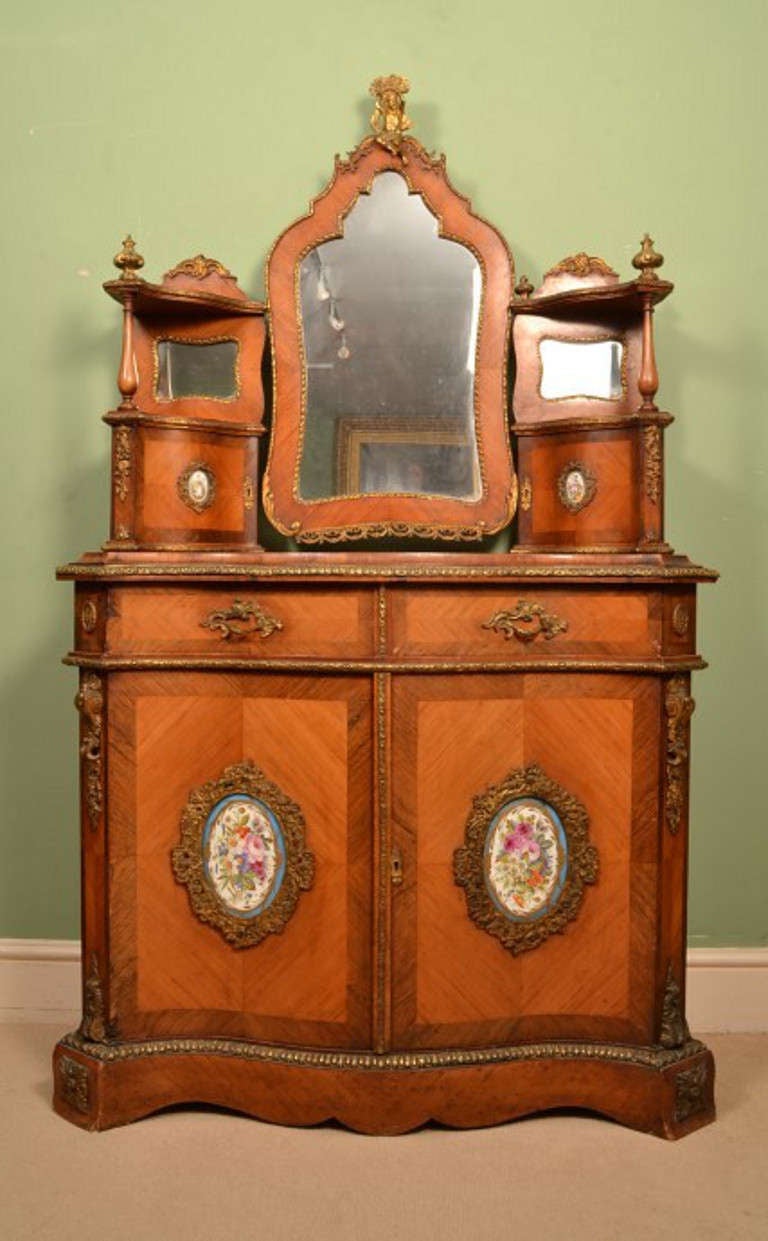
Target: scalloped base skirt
{"x": 667, "y": 1093}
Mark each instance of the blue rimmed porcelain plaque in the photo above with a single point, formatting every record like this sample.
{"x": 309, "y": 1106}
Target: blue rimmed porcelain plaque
{"x": 526, "y": 858}
{"x": 243, "y": 854}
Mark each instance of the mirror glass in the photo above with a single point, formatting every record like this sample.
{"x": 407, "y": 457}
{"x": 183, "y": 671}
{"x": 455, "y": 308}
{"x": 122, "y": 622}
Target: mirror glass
{"x": 196, "y": 368}
{"x": 581, "y": 368}
{"x": 389, "y": 316}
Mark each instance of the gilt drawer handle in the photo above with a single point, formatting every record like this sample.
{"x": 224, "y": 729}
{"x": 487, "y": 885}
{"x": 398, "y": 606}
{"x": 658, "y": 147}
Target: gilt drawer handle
{"x": 526, "y": 622}
{"x": 240, "y": 621}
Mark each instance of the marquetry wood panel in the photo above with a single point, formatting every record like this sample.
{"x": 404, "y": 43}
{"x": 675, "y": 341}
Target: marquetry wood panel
{"x": 612, "y": 517}
{"x": 317, "y": 623}
{"x": 170, "y": 733}
{"x": 596, "y": 736}
{"x": 161, "y": 514}
{"x": 447, "y": 622}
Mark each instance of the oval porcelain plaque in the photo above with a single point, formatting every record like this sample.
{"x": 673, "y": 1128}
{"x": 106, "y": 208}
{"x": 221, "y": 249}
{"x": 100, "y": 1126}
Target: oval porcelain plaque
{"x": 575, "y": 487}
{"x": 243, "y": 854}
{"x": 199, "y": 486}
{"x": 526, "y": 858}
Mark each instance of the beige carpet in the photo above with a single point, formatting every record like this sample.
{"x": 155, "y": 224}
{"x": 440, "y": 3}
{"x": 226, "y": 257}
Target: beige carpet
{"x": 203, "y": 1176}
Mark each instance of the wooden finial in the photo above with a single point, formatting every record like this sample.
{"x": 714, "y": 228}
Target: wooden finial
{"x": 646, "y": 260}
{"x": 389, "y": 121}
{"x": 523, "y": 288}
{"x": 128, "y": 260}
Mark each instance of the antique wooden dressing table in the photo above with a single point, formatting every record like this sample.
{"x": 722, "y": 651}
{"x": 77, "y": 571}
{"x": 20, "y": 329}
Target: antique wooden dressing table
{"x": 388, "y": 824}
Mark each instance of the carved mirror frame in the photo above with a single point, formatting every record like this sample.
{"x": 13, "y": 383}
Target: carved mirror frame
{"x": 341, "y": 518}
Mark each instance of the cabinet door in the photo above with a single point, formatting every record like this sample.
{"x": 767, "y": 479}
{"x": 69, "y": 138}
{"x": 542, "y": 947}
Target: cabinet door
{"x": 456, "y": 737}
{"x": 171, "y": 734}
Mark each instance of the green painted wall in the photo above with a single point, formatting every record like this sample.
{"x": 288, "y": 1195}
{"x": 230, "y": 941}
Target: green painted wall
{"x": 208, "y": 128}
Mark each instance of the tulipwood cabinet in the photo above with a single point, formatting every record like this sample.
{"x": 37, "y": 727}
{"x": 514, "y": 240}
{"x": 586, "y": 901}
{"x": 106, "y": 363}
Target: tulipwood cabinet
{"x": 387, "y": 823}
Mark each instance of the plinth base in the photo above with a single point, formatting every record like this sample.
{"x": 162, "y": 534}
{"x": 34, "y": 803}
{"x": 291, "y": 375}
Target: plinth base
{"x": 665, "y": 1092}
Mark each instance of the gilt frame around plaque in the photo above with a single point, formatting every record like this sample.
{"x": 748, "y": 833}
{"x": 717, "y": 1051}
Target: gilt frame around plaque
{"x": 470, "y": 861}
{"x": 342, "y": 518}
{"x": 190, "y": 867}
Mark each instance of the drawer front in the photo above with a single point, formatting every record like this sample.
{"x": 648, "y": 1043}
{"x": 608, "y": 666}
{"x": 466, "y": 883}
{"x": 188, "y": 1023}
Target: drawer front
{"x": 272, "y": 623}
{"x": 509, "y": 624}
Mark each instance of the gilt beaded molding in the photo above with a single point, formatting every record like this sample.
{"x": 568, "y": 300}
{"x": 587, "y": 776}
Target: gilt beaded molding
{"x": 657, "y": 1058}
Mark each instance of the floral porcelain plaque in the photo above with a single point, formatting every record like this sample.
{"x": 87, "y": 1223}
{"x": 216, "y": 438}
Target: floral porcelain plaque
{"x": 525, "y": 860}
{"x": 242, "y": 855}
{"x": 576, "y": 486}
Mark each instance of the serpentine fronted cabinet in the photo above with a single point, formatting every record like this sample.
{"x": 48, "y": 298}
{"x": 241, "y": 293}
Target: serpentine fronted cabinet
{"x": 386, "y": 836}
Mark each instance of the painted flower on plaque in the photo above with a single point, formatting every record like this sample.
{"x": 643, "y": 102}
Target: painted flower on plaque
{"x": 243, "y": 854}
{"x": 526, "y": 858}
{"x": 575, "y": 487}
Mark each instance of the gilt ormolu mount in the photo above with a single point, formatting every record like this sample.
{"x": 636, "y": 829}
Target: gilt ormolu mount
{"x": 389, "y": 824}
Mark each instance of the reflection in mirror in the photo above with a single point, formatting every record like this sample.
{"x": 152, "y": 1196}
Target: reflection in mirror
{"x": 581, "y": 369}
{"x": 390, "y": 316}
{"x": 196, "y": 368}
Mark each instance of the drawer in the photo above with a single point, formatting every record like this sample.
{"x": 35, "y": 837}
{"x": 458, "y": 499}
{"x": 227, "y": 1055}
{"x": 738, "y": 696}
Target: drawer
{"x": 270, "y": 623}
{"x": 511, "y": 623}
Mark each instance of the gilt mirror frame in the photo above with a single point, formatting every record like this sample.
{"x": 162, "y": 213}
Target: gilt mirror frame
{"x": 341, "y": 518}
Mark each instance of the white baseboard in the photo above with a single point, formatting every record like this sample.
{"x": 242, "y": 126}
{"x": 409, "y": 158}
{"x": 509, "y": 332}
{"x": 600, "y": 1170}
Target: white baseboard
{"x": 40, "y": 980}
{"x": 727, "y": 988}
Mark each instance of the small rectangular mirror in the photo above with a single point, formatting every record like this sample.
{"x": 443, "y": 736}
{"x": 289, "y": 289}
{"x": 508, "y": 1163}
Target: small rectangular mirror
{"x": 572, "y": 369}
{"x": 206, "y": 369}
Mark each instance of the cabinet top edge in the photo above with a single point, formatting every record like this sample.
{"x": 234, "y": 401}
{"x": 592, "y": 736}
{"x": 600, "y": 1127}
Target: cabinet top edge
{"x": 325, "y": 567}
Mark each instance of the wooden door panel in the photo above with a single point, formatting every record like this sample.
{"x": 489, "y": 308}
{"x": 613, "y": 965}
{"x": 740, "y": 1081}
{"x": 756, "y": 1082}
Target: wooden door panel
{"x": 455, "y": 984}
{"x": 172, "y": 973}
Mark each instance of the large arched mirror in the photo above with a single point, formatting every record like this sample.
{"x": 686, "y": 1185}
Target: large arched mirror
{"x": 389, "y": 318}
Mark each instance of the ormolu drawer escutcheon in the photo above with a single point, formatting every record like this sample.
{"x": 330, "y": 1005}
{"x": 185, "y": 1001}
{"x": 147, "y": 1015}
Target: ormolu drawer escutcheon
{"x": 240, "y": 621}
{"x": 526, "y": 621}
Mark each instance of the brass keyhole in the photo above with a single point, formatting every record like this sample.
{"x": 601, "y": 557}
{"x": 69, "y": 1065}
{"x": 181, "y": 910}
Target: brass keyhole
{"x": 396, "y": 867}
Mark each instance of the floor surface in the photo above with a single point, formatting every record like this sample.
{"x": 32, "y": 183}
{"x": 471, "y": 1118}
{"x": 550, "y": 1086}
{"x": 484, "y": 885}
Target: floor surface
{"x": 207, "y": 1176}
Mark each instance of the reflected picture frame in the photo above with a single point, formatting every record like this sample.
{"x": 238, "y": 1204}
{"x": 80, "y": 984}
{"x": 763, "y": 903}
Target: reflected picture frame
{"x": 402, "y": 456}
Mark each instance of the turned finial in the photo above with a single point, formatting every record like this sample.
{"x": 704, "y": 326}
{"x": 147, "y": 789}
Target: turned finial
{"x": 647, "y": 259}
{"x": 523, "y": 288}
{"x": 128, "y": 260}
{"x": 389, "y": 121}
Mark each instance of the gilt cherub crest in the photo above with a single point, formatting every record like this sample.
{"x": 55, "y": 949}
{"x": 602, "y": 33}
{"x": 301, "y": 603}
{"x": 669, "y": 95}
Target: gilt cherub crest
{"x": 389, "y": 121}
